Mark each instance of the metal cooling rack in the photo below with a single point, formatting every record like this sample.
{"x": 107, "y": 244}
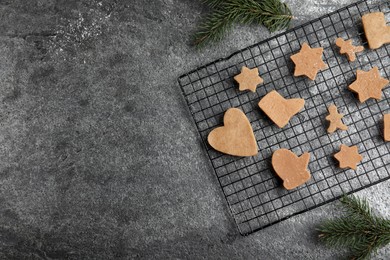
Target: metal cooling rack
{"x": 254, "y": 193}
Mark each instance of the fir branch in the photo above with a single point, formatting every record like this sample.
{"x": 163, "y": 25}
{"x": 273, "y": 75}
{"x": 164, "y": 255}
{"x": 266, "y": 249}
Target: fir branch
{"x": 273, "y": 14}
{"x": 360, "y": 230}
{"x": 212, "y": 3}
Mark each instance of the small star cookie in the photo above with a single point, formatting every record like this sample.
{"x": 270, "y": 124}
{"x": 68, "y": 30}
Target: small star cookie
{"x": 334, "y": 119}
{"x": 248, "y": 79}
{"x": 368, "y": 84}
{"x": 346, "y": 47}
{"x": 348, "y": 157}
{"x": 308, "y": 61}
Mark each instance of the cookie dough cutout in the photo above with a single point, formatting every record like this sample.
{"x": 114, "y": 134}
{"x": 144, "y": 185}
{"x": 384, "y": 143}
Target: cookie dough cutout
{"x": 291, "y": 168}
{"x": 235, "y": 137}
{"x": 376, "y": 30}
{"x": 368, "y": 84}
{"x": 334, "y": 119}
{"x": 386, "y": 125}
{"x": 348, "y": 157}
{"x": 346, "y": 47}
{"x": 248, "y": 79}
{"x": 279, "y": 109}
{"x": 308, "y": 61}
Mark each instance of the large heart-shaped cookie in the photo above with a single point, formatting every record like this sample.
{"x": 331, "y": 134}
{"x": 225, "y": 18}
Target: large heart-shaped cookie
{"x": 236, "y": 136}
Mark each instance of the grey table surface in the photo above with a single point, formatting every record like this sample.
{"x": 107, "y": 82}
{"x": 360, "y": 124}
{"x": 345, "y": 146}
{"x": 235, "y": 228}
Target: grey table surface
{"x": 99, "y": 157}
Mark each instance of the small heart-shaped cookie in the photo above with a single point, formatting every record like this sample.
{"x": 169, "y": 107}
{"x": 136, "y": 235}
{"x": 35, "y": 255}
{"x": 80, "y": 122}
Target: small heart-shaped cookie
{"x": 236, "y": 136}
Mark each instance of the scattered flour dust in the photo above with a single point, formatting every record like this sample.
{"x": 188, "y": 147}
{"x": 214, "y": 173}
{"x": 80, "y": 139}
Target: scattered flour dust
{"x": 78, "y": 33}
{"x": 323, "y": 7}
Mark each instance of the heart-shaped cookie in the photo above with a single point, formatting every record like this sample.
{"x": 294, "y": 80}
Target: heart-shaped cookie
{"x": 236, "y": 136}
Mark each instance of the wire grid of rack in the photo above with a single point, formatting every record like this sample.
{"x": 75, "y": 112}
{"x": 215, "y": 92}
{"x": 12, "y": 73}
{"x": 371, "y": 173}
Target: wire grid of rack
{"x": 255, "y": 195}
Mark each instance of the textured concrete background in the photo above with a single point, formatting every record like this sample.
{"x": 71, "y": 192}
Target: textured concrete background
{"x": 99, "y": 157}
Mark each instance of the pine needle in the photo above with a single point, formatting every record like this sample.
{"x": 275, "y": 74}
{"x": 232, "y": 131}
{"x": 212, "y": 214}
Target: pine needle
{"x": 359, "y": 230}
{"x": 273, "y": 14}
{"x": 212, "y": 3}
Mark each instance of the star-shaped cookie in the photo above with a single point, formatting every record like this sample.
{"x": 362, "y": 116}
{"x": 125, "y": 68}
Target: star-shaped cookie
{"x": 308, "y": 61}
{"x": 368, "y": 84}
{"x": 334, "y": 119}
{"x": 346, "y": 47}
{"x": 348, "y": 157}
{"x": 248, "y": 79}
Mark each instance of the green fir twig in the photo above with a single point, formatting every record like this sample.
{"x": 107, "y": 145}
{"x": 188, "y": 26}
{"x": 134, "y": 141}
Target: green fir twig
{"x": 212, "y": 3}
{"x": 359, "y": 229}
{"x": 273, "y": 14}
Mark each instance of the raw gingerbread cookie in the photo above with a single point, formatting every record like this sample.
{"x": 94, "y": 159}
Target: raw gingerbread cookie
{"x": 291, "y": 168}
{"x": 346, "y": 47}
{"x": 334, "y": 119}
{"x": 376, "y": 30}
{"x": 386, "y": 125}
{"x": 308, "y": 61}
{"x": 348, "y": 157}
{"x": 279, "y": 109}
{"x": 248, "y": 79}
{"x": 368, "y": 84}
{"x": 236, "y": 136}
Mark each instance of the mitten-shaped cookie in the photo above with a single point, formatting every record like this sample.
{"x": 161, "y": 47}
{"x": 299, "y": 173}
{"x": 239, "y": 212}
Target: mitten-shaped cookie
{"x": 291, "y": 168}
